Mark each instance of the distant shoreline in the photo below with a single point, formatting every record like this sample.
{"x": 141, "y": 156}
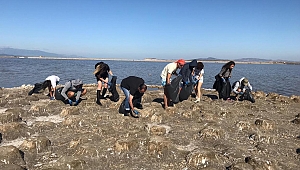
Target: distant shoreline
{"x": 146, "y": 60}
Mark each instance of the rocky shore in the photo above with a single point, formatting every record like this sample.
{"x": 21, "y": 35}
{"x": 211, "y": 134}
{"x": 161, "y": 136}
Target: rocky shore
{"x": 39, "y": 134}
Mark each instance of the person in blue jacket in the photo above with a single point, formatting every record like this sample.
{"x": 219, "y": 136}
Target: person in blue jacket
{"x": 186, "y": 72}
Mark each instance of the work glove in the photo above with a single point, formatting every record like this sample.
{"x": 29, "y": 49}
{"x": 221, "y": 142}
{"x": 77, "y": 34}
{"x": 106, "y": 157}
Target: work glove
{"x": 136, "y": 112}
{"x": 224, "y": 81}
{"x": 70, "y": 102}
{"x": 76, "y": 103}
{"x": 52, "y": 98}
{"x": 241, "y": 93}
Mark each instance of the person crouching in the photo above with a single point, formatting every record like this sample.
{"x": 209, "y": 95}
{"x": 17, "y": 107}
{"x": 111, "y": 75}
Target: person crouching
{"x": 71, "y": 92}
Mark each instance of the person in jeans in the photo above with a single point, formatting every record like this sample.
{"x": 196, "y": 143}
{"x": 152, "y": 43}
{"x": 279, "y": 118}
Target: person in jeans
{"x": 133, "y": 88}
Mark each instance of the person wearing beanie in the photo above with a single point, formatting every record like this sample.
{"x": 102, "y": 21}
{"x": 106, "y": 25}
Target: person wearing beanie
{"x": 101, "y": 73}
{"x": 242, "y": 88}
{"x": 166, "y": 74}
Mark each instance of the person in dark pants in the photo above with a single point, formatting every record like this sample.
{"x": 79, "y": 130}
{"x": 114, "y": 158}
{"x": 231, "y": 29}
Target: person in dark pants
{"x": 133, "y": 88}
{"x": 101, "y": 73}
{"x": 71, "y": 92}
{"x": 222, "y": 84}
{"x": 186, "y": 72}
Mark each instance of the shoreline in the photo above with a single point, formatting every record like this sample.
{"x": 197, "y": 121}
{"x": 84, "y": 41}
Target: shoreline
{"x": 148, "y": 60}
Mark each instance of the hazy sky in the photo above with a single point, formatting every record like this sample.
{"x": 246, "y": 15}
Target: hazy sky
{"x": 225, "y": 29}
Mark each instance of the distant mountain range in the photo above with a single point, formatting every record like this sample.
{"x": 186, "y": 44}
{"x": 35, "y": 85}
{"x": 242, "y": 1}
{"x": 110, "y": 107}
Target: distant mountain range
{"x": 242, "y": 60}
{"x": 36, "y": 53}
{"x": 23, "y": 52}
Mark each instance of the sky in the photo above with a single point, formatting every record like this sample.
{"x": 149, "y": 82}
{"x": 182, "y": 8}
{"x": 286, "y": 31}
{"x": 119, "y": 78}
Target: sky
{"x": 164, "y": 29}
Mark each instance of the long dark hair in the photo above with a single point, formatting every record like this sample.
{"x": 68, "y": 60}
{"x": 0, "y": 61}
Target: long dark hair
{"x": 227, "y": 65}
{"x": 200, "y": 66}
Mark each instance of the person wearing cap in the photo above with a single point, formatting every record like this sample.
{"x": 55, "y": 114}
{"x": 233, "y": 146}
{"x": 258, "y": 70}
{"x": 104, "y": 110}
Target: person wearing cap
{"x": 240, "y": 87}
{"x": 166, "y": 74}
{"x": 101, "y": 73}
{"x": 51, "y": 82}
{"x": 133, "y": 88}
{"x": 71, "y": 92}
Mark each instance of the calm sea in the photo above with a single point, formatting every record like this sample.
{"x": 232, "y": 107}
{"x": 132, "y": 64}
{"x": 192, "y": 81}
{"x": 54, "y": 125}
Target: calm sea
{"x": 278, "y": 78}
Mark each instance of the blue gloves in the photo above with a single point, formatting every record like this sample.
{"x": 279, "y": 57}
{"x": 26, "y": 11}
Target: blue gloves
{"x": 52, "y": 98}
{"x": 136, "y": 112}
{"x": 224, "y": 81}
{"x": 70, "y": 102}
{"x": 76, "y": 103}
{"x": 241, "y": 93}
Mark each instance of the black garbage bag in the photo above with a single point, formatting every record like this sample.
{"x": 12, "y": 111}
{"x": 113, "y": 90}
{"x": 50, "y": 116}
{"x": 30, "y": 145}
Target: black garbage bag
{"x": 248, "y": 96}
{"x": 112, "y": 89}
{"x": 36, "y": 89}
{"x": 185, "y": 92}
{"x": 173, "y": 89}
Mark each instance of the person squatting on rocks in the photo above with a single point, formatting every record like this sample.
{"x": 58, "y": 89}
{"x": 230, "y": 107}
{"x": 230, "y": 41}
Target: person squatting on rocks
{"x": 71, "y": 92}
{"x": 133, "y": 88}
{"x": 198, "y": 80}
{"x": 222, "y": 83}
{"x": 166, "y": 74}
{"x": 243, "y": 88}
{"x": 101, "y": 73}
{"x": 51, "y": 82}
{"x": 186, "y": 72}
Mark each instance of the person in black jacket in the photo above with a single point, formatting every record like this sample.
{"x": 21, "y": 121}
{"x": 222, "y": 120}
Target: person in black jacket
{"x": 101, "y": 73}
{"x": 133, "y": 88}
{"x": 187, "y": 70}
{"x": 222, "y": 83}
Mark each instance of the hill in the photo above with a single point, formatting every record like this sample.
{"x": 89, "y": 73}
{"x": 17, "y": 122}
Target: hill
{"x": 24, "y": 52}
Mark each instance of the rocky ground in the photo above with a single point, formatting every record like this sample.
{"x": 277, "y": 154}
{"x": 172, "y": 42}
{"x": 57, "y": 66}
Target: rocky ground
{"x": 39, "y": 134}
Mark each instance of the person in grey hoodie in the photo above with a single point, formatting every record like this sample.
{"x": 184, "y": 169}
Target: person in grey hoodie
{"x": 71, "y": 92}
{"x": 186, "y": 72}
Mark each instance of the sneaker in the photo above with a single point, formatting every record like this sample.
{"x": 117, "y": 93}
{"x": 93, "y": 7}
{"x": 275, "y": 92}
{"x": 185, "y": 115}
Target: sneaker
{"x": 197, "y": 100}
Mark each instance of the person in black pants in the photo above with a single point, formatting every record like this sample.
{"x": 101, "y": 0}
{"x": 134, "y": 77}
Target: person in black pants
{"x": 101, "y": 73}
{"x": 222, "y": 83}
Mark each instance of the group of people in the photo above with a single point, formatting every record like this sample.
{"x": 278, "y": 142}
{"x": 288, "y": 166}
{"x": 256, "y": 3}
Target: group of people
{"x": 190, "y": 74}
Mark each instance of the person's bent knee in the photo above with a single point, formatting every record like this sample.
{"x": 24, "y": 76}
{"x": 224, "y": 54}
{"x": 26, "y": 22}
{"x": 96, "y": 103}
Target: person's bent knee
{"x": 83, "y": 92}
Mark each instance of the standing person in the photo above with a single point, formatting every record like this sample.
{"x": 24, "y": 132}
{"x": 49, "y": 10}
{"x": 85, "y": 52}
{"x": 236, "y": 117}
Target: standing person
{"x": 166, "y": 74}
{"x": 198, "y": 80}
{"x": 51, "y": 82}
{"x": 222, "y": 81}
{"x": 101, "y": 73}
{"x": 71, "y": 92}
{"x": 186, "y": 71}
{"x": 243, "y": 88}
{"x": 133, "y": 88}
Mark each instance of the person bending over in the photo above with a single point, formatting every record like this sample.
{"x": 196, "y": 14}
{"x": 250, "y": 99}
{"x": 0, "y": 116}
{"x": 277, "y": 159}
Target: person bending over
{"x": 198, "y": 80}
{"x": 166, "y": 75}
{"x": 71, "y": 92}
{"x": 186, "y": 72}
{"x": 101, "y": 73}
{"x": 50, "y": 83}
{"x": 222, "y": 81}
{"x": 133, "y": 88}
